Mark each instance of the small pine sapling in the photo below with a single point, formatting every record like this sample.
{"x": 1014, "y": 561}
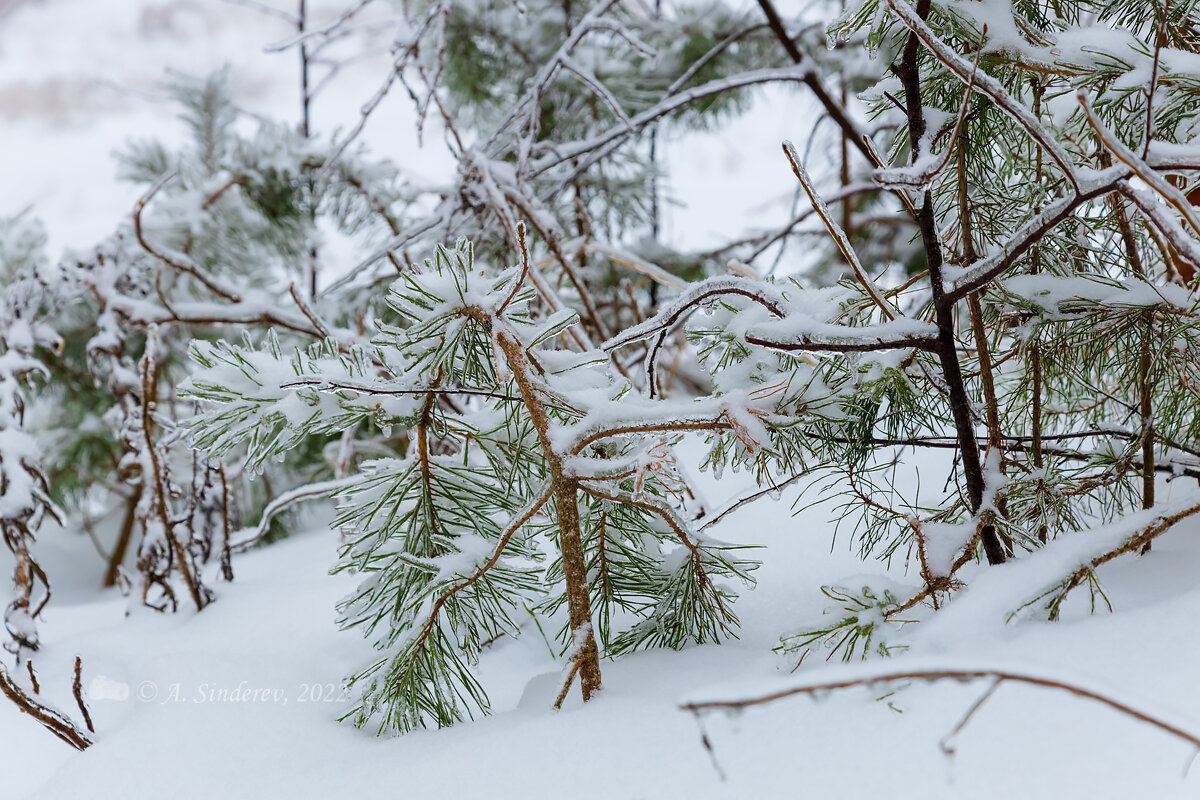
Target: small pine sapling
{"x": 523, "y": 480}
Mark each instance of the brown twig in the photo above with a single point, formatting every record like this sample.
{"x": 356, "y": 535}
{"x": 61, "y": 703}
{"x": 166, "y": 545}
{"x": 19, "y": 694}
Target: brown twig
{"x": 524, "y": 247}
{"x": 319, "y": 326}
{"x": 52, "y": 720}
{"x": 566, "y": 687}
{"x": 998, "y": 675}
{"x": 836, "y": 231}
{"x": 117, "y": 558}
{"x": 174, "y": 263}
{"x": 159, "y": 485}
{"x": 77, "y": 690}
{"x": 736, "y": 504}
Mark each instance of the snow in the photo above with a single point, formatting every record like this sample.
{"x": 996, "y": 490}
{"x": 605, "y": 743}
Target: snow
{"x": 247, "y": 694}
{"x": 242, "y": 700}
{"x": 1052, "y": 292}
{"x": 943, "y": 543}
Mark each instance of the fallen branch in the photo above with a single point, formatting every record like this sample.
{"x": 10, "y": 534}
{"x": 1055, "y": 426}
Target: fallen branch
{"x": 872, "y": 675}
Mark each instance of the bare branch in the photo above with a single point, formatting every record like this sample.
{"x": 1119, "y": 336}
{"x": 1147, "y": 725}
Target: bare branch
{"x": 835, "y": 230}
{"x": 877, "y": 674}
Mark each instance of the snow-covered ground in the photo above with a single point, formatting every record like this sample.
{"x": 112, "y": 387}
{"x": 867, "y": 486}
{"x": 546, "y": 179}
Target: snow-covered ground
{"x": 243, "y": 699}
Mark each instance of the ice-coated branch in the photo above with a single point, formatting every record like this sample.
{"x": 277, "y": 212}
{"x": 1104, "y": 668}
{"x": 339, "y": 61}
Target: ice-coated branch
{"x": 1186, "y": 245}
{"x": 382, "y": 388}
{"x": 661, "y": 325}
{"x": 835, "y": 230}
{"x": 403, "y": 49}
{"x": 1160, "y": 522}
{"x": 919, "y": 176}
{"x": 696, "y": 296}
{"x": 597, "y": 86}
{"x": 863, "y": 344}
{"x": 987, "y": 269}
{"x": 24, "y": 486}
{"x": 248, "y": 537}
{"x": 307, "y": 34}
{"x": 629, "y": 260}
{"x": 588, "y": 151}
{"x": 527, "y": 107}
{"x": 177, "y": 261}
{"x": 25, "y": 500}
{"x": 749, "y": 497}
{"x": 50, "y": 718}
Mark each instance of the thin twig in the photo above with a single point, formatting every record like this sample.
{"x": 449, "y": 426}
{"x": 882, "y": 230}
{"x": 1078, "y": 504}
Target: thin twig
{"x": 835, "y": 230}
{"x": 77, "y": 689}
{"x": 894, "y": 675}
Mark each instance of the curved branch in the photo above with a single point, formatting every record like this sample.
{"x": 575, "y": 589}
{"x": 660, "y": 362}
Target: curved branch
{"x": 175, "y": 262}
{"x": 652, "y": 427}
{"x": 876, "y": 676}
{"x": 988, "y": 269}
{"x": 248, "y": 537}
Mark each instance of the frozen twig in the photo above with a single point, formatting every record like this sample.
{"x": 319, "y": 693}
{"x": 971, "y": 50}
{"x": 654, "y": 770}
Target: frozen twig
{"x": 51, "y": 719}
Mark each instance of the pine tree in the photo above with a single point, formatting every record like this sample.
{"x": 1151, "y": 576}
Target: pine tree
{"x": 501, "y": 442}
{"x": 1052, "y": 340}
{"x": 527, "y": 481}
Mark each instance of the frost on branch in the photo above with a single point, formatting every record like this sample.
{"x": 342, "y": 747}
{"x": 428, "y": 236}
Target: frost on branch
{"x": 25, "y": 500}
{"x": 24, "y": 491}
{"x": 226, "y": 238}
